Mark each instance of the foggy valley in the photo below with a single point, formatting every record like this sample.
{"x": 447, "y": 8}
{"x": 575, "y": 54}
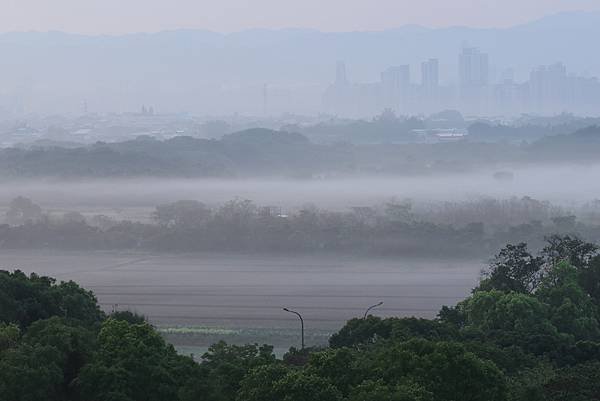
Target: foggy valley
{"x": 569, "y": 186}
{"x": 309, "y": 201}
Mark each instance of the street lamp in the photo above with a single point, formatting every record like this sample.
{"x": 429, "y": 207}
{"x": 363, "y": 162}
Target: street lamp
{"x": 301, "y": 322}
{"x": 372, "y": 307}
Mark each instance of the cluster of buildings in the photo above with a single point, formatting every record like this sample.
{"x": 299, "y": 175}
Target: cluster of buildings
{"x": 549, "y": 90}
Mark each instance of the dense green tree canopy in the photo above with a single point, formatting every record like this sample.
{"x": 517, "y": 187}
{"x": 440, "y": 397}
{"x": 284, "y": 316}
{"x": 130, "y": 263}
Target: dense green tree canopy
{"x": 23, "y": 299}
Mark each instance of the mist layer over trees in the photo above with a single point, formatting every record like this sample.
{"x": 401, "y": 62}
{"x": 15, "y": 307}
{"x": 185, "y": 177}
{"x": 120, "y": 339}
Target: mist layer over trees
{"x": 451, "y": 229}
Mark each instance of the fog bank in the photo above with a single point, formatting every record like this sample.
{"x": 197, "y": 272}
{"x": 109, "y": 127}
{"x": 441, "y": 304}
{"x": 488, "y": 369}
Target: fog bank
{"x": 565, "y": 186}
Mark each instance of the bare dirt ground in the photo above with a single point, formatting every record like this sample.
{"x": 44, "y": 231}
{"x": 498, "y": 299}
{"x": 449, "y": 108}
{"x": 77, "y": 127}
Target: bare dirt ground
{"x": 248, "y": 292}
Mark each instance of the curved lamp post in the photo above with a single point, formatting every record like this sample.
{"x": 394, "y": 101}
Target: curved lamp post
{"x": 301, "y": 322}
{"x": 372, "y": 307}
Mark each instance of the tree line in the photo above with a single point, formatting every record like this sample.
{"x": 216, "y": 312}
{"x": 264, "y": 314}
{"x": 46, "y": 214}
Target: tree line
{"x": 529, "y": 331}
{"x": 268, "y": 153}
{"x": 474, "y": 228}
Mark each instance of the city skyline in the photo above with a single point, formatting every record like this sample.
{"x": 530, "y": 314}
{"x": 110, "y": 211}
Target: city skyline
{"x": 274, "y": 72}
{"x": 549, "y": 89}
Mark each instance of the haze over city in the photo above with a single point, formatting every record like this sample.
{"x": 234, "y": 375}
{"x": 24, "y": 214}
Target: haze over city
{"x": 526, "y": 66}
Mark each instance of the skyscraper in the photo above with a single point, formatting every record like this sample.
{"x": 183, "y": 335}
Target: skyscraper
{"x": 474, "y": 79}
{"x": 338, "y": 98}
{"x": 548, "y": 87}
{"x": 473, "y": 68}
{"x": 340, "y": 74}
{"x": 395, "y": 85}
{"x": 430, "y": 74}
{"x": 430, "y": 82}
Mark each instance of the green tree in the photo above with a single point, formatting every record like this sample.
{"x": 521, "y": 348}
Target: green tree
{"x": 128, "y": 316}
{"x": 361, "y": 331}
{"x": 31, "y": 373}
{"x": 589, "y": 279}
{"x": 496, "y": 310}
{"x": 572, "y": 310}
{"x": 339, "y": 366}
{"x": 9, "y": 336}
{"x": 575, "y": 383}
{"x": 133, "y": 363}
{"x": 528, "y": 384}
{"x": 74, "y": 302}
{"x": 445, "y": 369}
{"x": 301, "y": 386}
{"x": 513, "y": 269}
{"x": 570, "y": 249}
{"x": 511, "y": 319}
{"x": 25, "y": 299}
{"x": 229, "y": 364}
{"x": 74, "y": 343}
{"x": 259, "y": 383}
{"x": 379, "y": 391}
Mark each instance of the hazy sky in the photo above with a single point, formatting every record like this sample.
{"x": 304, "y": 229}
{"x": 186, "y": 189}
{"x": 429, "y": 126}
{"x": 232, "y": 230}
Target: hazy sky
{"x": 122, "y": 16}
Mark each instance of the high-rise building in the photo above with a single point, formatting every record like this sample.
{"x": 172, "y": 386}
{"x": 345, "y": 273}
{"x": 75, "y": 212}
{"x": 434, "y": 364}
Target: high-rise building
{"x": 340, "y": 74}
{"x": 338, "y": 98}
{"x": 397, "y": 77}
{"x": 430, "y": 74}
{"x": 473, "y": 80}
{"x": 473, "y": 68}
{"x": 395, "y": 86}
{"x": 548, "y": 88}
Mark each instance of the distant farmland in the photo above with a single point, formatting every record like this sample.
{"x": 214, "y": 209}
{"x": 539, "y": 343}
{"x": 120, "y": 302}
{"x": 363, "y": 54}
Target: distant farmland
{"x": 247, "y": 293}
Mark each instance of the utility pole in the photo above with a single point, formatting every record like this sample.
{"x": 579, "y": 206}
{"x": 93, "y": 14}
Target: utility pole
{"x": 301, "y": 322}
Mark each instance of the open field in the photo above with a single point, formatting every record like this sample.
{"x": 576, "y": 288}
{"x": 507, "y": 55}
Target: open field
{"x": 213, "y": 296}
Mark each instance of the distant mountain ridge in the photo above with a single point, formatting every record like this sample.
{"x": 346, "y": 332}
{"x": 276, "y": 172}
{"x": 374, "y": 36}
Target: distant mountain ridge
{"x": 198, "y": 71}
